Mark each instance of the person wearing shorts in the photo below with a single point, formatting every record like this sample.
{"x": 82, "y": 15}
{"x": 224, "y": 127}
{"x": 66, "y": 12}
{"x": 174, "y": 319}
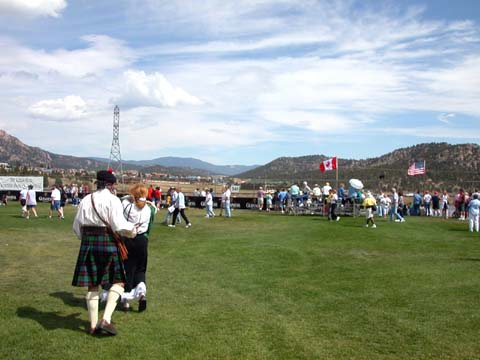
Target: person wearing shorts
{"x": 370, "y": 205}
{"x": 55, "y": 203}
{"x": 31, "y": 202}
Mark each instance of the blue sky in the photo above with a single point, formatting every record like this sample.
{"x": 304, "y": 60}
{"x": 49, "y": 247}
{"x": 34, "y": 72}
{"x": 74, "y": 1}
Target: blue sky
{"x": 239, "y": 82}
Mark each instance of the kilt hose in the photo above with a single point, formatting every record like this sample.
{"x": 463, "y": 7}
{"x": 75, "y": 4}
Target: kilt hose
{"x": 98, "y": 261}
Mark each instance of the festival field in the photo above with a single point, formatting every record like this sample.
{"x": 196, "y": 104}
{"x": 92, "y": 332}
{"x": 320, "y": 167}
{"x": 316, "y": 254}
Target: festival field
{"x": 257, "y": 286}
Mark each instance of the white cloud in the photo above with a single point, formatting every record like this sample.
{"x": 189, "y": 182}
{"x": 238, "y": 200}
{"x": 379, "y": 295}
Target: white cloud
{"x": 246, "y": 72}
{"x": 103, "y": 53}
{"x": 71, "y": 107}
{"x": 154, "y": 90}
{"x": 33, "y": 8}
{"x": 321, "y": 122}
{"x": 445, "y": 118}
{"x": 433, "y": 132}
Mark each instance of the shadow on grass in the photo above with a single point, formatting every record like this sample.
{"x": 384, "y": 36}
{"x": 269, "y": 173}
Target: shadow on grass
{"x": 470, "y": 259}
{"x": 69, "y": 299}
{"x": 51, "y": 320}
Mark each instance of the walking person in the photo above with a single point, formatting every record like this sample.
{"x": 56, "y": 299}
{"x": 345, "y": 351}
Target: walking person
{"x": 23, "y": 200}
{"x": 473, "y": 213}
{"x": 384, "y": 205}
{"x": 370, "y": 204}
{"x": 180, "y": 208}
{"x": 31, "y": 201}
{"x": 55, "y": 204}
{"x": 98, "y": 222}
{"x": 171, "y": 205}
{"x": 209, "y": 203}
{"x": 138, "y": 210}
{"x": 395, "y": 204}
{"x": 228, "y": 194}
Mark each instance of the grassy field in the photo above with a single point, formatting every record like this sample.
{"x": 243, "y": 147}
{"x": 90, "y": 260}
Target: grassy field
{"x": 256, "y": 286}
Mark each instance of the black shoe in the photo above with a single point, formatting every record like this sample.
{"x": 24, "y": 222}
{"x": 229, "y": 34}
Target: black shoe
{"x": 106, "y": 327}
{"x": 142, "y": 304}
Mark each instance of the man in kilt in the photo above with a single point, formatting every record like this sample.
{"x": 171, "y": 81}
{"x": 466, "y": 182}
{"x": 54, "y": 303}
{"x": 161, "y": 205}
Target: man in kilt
{"x": 98, "y": 223}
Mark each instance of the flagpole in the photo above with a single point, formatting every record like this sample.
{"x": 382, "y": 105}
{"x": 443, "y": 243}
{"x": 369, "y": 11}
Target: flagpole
{"x": 336, "y": 175}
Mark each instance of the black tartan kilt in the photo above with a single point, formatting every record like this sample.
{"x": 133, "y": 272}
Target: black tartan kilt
{"x": 98, "y": 262}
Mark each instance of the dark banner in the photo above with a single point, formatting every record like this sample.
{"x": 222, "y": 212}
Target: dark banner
{"x": 13, "y": 195}
{"x": 235, "y": 203}
{"x": 191, "y": 201}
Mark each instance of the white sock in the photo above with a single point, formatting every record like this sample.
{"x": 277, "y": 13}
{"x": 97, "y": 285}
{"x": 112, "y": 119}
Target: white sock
{"x": 92, "y": 307}
{"x": 113, "y": 294}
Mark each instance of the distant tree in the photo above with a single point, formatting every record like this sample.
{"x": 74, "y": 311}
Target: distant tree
{"x": 58, "y": 180}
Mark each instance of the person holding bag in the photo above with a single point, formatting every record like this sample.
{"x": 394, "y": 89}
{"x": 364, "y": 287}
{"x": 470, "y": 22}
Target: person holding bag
{"x": 99, "y": 222}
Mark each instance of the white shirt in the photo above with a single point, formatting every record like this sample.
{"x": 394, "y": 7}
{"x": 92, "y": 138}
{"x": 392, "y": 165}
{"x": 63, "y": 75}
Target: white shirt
{"x": 395, "y": 199}
{"x": 227, "y": 195}
{"x": 326, "y": 190}
{"x": 208, "y": 199}
{"x": 55, "y": 195}
{"x": 23, "y": 194}
{"x": 385, "y": 201}
{"x": 445, "y": 199}
{"x": 133, "y": 214}
{"x": 316, "y": 191}
{"x": 109, "y": 207}
{"x": 427, "y": 198}
{"x": 173, "y": 198}
{"x": 474, "y": 207}
{"x": 334, "y": 199}
{"x": 180, "y": 202}
{"x": 31, "y": 197}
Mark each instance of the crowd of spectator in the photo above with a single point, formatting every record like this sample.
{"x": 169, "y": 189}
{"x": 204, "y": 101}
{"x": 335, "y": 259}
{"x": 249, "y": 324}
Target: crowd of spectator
{"x": 394, "y": 205}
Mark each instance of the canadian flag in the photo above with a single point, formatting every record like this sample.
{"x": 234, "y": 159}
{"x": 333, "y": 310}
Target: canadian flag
{"x": 330, "y": 164}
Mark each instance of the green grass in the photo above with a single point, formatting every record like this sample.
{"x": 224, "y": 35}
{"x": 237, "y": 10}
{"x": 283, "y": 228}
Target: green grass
{"x": 256, "y": 286}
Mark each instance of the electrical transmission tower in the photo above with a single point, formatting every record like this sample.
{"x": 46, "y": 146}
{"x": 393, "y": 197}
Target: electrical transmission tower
{"x": 115, "y": 161}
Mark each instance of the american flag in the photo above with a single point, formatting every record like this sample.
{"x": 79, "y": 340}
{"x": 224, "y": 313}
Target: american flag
{"x": 417, "y": 168}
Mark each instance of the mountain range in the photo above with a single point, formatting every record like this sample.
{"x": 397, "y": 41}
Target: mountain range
{"x": 15, "y": 152}
{"x": 188, "y": 163}
{"x": 448, "y": 166}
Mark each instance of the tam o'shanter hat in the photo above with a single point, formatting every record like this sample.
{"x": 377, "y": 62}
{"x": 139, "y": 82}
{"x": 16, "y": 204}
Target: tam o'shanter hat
{"x": 106, "y": 176}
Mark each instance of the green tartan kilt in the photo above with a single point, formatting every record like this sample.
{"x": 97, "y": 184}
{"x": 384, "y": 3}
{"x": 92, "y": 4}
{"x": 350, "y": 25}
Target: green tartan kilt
{"x": 98, "y": 262}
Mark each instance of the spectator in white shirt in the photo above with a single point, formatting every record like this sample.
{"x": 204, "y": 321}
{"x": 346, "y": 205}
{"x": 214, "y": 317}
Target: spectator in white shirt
{"x": 209, "y": 203}
{"x": 23, "y": 200}
{"x": 180, "y": 208}
{"x": 31, "y": 201}
{"x": 55, "y": 204}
